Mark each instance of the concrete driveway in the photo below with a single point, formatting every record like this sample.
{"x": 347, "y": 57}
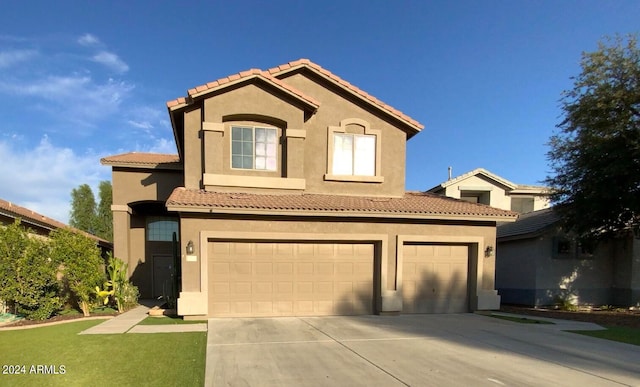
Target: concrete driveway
{"x": 412, "y": 350}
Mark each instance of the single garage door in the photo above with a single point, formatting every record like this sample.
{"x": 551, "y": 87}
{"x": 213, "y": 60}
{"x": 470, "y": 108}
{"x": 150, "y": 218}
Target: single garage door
{"x": 249, "y": 279}
{"x": 435, "y": 278}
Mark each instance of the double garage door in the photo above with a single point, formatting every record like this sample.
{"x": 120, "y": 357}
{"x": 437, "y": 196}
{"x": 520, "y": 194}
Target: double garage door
{"x": 252, "y": 279}
{"x": 290, "y": 279}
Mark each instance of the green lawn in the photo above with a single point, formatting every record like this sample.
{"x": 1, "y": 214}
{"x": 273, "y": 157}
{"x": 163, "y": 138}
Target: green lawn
{"x": 169, "y": 320}
{"x": 621, "y": 334}
{"x": 159, "y": 359}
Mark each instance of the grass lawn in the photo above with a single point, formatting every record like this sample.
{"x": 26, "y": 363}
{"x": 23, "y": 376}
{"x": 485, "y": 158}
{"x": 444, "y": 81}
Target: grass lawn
{"x": 621, "y": 334}
{"x": 523, "y": 320}
{"x": 169, "y": 320}
{"x": 159, "y": 359}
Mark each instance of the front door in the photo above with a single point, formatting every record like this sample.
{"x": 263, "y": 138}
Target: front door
{"x": 163, "y": 272}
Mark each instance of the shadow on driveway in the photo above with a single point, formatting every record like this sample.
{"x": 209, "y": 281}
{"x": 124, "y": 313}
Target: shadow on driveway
{"x": 415, "y": 350}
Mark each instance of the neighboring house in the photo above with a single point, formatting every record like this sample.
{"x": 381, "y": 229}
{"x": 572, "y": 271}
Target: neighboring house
{"x": 538, "y": 264}
{"x": 287, "y": 198}
{"x": 484, "y": 187}
{"x": 42, "y": 225}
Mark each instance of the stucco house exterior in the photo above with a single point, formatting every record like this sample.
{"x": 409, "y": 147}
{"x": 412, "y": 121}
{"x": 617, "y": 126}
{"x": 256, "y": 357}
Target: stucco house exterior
{"x": 537, "y": 264}
{"x": 482, "y": 186}
{"x": 287, "y": 198}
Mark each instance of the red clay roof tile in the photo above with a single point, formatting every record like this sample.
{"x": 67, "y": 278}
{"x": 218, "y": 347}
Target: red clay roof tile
{"x": 411, "y": 204}
{"x": 28, "y": 216}
{"x": 143, "y": 160}
{"x": 306, "y": 62}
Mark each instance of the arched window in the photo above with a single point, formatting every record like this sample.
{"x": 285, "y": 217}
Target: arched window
{"x": 161, "y": 228}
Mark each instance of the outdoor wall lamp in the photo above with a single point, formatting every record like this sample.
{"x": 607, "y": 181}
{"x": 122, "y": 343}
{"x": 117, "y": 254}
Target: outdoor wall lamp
{"x": 190, "y": 248}
{"x": 488, "y": 251}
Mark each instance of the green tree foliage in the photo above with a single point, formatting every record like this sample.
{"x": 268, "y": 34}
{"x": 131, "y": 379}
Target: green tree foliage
{"x": 83, "y": 209}
{"x": 86, "y": 216}
{"x": 104, "y": 216}
{"x": 595, "y": 156}
{"x": 83, "y": 266}
{"x": 27, "y": 274}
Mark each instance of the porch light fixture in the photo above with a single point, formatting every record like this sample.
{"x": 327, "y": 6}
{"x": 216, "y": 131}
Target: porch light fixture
{"x": 488, "y": 251}
{"x": 190, "y": 248}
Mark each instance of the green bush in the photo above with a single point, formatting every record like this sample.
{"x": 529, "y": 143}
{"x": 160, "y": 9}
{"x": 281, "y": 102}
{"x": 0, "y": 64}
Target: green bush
{"x": 27, "y": 273}
{"x": 81, "y": 263}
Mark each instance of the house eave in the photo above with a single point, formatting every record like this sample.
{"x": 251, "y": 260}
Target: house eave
{"x": 334, "y": 214}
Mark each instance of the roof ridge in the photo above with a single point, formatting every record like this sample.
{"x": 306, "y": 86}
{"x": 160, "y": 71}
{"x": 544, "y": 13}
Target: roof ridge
{"x": 289, "y": 66}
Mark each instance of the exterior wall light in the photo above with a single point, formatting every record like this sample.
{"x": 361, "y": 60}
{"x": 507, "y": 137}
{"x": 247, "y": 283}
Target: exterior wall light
{"x": 190, "y": 248}
{"x": 488, "y": 251}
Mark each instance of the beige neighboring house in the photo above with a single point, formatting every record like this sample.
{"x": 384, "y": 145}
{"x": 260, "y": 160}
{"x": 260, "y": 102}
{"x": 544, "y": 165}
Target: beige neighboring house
{"x": 538, "y": 264}
{"x": 287, "y": 198}
{"x": 484, "y": 187}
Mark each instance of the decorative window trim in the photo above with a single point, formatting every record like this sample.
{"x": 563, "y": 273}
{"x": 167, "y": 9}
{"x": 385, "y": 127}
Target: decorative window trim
{"x": 377, "y": 178}
{"x": 253, "y": 139}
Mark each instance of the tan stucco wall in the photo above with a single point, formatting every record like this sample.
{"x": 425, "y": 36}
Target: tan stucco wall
{"x": 498, "y": 196}
{"x": 303, "y": 156}
{"x": 193, "y": 228}
{"x": 135, "y": 185}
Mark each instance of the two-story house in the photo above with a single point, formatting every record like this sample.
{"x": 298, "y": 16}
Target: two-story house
{"x": 484, "y": 187}
{"x": 287, "y": 198}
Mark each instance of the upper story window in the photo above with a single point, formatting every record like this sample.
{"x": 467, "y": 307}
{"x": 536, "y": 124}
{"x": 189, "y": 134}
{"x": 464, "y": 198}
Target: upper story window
{"x": 160, "y": 228}
{"x": 254, "y": 148}
{"x": 354, "y": 152}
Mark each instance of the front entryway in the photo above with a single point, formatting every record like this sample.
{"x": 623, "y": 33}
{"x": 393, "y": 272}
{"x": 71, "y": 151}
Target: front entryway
{"x": 163, "y": 272}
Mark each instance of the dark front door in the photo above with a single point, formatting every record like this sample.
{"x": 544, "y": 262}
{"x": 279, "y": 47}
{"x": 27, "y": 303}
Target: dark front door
{"x": 163, "y": 272}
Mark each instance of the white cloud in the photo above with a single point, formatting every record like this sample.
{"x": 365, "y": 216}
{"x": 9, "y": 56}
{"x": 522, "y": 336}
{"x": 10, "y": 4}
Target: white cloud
{"x": 77, "y": 98}
{"x": 89, "y": 40}
{"x": 41, "y": 178}
{"x": 12, "y": 57}
{"x": 111, "y": 61}
{"x": 141, "y": 124}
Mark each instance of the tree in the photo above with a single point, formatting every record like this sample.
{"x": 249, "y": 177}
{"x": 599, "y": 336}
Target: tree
{"x": 104, "y": 216}
{"x": 82, "y": 265}
{"x": 595, "y": 156}
{"x": 83, "y": 209}
{"x": 27, "y": 275}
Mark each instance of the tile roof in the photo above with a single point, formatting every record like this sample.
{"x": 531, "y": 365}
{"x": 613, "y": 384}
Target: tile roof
{"x": 294, "y": 65}
{"x": 28, "y": 216}
{"x": 271, "y": 76}
{"x": 413, "y": 204}
{"x": 477, "y": 171}
{"x": 528, "y": 224}
{"x": 144, "y": 160}
{"x": 240, "y": 77}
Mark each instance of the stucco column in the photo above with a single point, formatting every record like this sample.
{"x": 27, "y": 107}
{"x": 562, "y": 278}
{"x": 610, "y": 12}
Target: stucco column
{"x": 121, "y": 226}
{"x": 295, "y": 153}
{"x": 213, "y": 133}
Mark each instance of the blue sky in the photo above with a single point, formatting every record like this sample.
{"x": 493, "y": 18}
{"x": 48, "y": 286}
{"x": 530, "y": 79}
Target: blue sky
{"x": 82, "y": 80}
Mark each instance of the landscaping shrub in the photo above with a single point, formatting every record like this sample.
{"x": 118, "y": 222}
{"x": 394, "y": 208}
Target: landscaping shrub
{"x": 82, "y": 265}
{"x": 27, "y": 273}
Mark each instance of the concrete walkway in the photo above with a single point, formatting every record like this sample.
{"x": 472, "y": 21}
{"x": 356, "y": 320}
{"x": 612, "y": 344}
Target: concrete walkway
{"x": 128, "y": 323}
{"x": 119, "y": 324}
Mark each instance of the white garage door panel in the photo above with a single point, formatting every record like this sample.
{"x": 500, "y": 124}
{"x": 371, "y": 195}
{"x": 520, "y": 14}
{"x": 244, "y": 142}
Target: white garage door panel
{"x": 434, "y": 278}
{"x": 290, "y": 279}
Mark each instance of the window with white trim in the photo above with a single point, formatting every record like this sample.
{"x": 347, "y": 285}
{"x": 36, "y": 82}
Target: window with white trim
{"x": 354, "y": 154}
{"x": 254, "y": 148}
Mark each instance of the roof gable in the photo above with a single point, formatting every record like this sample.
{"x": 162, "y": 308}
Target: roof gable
{"x": 306, "y": 64}
{"x": 243, "y": 77}
{"x": 476, "y": 172}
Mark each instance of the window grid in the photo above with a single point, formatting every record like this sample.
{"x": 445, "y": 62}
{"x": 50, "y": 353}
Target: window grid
{"x": 161, "y": 229}
{"x": 253, "y": 148}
